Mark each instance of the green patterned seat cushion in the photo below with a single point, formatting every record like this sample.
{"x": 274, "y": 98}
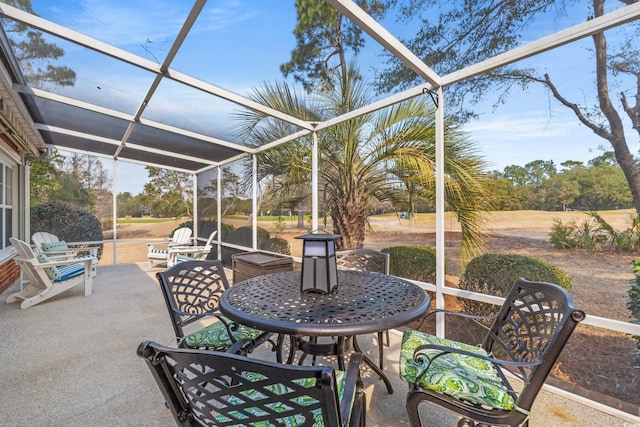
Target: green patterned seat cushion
{"x": 283, "y": 390}
{"x": 464, "y": 377}
{"x": 215, "y": 336}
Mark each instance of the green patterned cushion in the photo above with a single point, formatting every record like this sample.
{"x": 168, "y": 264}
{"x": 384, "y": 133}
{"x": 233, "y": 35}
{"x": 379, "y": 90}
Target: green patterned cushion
{"x": 60, "y": 246}
{"x": 279, "y": 389}
{"x": 464, "y": 377}
{"x": 52, "y": 272}
{"x": 215, "y": 336}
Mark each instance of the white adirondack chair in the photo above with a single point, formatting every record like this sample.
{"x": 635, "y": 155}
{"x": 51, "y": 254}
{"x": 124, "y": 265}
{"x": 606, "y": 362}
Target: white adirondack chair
{"x": 48, "y": 278}
{"x": 56, "y": 249}
{"x": 190, "y": 253}
{"x": 181, "y": 237}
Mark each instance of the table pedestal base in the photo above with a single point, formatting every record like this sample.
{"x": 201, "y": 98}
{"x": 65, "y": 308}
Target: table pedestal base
{"x": 311, "y": 346}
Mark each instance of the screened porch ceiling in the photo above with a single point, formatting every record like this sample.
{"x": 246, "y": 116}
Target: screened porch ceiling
{"x": 163, "y": 107}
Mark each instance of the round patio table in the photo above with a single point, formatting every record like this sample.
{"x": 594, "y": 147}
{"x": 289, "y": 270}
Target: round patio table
{"x": 362, "y": 303}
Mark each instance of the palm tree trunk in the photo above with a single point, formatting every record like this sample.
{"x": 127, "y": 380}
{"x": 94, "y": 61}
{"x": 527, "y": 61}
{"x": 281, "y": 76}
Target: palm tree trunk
{"x": 349, "y": 217}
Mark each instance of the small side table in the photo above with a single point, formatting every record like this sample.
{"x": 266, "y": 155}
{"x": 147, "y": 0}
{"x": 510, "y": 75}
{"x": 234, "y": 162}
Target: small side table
{"x": 252, "y": 264}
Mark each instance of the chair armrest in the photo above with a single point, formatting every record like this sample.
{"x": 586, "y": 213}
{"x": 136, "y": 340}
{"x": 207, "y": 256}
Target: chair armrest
{"x": 153, "y": 245}
{"x": 420, "y": 355}
{"x": 475, "y": 318}
{"x": 239, "y": 347}
{"x": 93, "y": 250}
{"x": 174, "y": 245}
{"x": 352, "y": 386}
{"x": 63, "y": 255}
{"x": 85, "y": 260}
{"x": 188, "y": 249}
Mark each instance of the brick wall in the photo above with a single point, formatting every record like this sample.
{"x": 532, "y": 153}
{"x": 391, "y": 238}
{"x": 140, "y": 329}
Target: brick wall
{"x": 9, "y": 273}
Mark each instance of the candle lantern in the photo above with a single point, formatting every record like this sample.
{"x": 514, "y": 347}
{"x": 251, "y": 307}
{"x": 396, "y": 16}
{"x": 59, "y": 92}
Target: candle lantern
{"x": 319, "y": 268}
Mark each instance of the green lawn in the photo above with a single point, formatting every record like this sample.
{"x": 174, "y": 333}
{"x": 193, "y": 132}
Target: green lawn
{"x": 270, "y": 218}
{"x": 145, "y": 220}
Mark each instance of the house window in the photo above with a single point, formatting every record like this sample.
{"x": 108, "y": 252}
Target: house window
{"x": 6, "y": 204}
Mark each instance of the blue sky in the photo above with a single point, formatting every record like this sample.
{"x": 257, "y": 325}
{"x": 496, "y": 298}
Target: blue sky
{"x": 239, "y": 44}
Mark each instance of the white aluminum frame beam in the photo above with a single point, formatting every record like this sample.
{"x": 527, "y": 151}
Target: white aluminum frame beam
{"x": 363, "y": 20}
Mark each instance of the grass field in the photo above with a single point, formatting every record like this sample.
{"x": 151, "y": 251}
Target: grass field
{"x": 144, "y": 220}
{"x": 525, "y": 220}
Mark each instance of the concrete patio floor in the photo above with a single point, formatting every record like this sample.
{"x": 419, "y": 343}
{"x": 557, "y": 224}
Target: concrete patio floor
{"x": 71, "y": 361}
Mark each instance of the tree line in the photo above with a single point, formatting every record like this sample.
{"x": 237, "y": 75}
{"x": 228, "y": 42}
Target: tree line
{"x": 539, "y": 185}
{"x": 81, "y": 179}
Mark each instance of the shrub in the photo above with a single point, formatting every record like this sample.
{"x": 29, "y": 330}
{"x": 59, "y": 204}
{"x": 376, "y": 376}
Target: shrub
{"x": 227, "y": 229}
{"x": 67, "y": 221}
{"x": 187, "y": 224}
{"x": 633, "y": 304}
{"x": 413, "y": 262}
{"x": 596, "y": 234}
{"x": 242, "y": 236}
{"x": 562, "y": 235}
{"x": 277, "y": 245}
{"x": 495, "y": 274}
{"x": 279, "y": 226}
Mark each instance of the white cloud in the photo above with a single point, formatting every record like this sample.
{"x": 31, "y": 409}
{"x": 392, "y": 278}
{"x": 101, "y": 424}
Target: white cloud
{"x": 152, "y": 23}
{"x": 519, "y": 138}
{"x": 522, "y": 126}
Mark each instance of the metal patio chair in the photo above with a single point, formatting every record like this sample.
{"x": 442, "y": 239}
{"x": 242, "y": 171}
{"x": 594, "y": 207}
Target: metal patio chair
{"x": 210, "y": 388}
{"x": 192, "y": 290}
{"x": 523, "y": 342}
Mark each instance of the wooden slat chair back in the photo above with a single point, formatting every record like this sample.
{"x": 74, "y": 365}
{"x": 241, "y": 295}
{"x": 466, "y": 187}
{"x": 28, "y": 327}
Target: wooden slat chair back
{"x": 209, "y": 388}
{"x": 48, "y": 278}
{"x": 178, "y": 253}
{"x": 55, "y": 249}
{"x": 158, "y": 253}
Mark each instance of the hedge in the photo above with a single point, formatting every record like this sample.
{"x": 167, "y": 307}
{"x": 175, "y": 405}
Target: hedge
{"x": 495, "y": 274}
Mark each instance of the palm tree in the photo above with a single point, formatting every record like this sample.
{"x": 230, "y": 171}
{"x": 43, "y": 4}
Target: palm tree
{"x": 374, "y": 158}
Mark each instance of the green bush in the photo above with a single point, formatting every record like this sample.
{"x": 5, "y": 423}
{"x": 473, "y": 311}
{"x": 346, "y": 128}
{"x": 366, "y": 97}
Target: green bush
{"x": 633, "y": 304}
{"x": 227, "y": 229}
{"x": 495, "y": 274}
{"x": 277, "y": 245}
{"x": 67, "y": 221}
{"x": 596, "y": 234}
{"x": 413, "y": 262}
{"x": 562, "y": 235}
{"x": 242, "y": 236}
